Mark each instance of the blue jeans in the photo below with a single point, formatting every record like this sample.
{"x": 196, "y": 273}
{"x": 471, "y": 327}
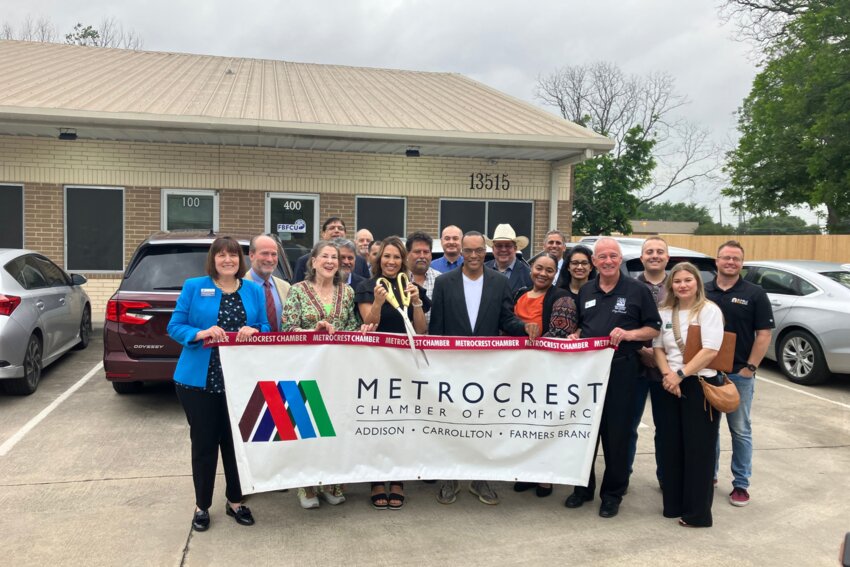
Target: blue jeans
{"x": 643, "y": 388}
{"x": 741, "y": 429}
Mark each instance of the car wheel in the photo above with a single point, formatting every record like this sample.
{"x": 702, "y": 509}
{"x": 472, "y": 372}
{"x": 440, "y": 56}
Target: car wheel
{"x": 32, "y": 370}
{"x": 85, "y": 329}
{"x": 127, "y": 387}
{"x": 801, "y": 359}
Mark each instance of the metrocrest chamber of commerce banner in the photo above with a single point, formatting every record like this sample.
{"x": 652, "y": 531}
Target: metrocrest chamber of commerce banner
{"x": 313, "y": 409}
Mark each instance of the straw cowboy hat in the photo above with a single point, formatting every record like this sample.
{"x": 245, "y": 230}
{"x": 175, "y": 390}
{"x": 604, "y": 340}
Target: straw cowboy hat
{"x": 506, "y": 232}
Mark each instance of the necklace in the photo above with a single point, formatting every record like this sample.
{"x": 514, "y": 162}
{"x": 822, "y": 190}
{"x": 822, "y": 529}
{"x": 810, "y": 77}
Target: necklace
{"x": 325, "y": 295}
{"x": 227, "y": 290}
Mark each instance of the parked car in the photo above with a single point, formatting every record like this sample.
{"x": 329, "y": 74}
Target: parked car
{"x": 136, "y": 345}
{"x": 44, "y": 312}
{"x": 632, "y": 265}
{"x": 811, "y": 308}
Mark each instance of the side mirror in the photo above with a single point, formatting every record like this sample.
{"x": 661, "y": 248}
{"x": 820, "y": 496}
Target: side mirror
{"x": 77, "y": 279}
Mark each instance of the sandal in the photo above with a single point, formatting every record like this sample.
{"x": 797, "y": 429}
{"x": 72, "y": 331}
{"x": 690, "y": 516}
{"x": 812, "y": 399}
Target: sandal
{"x": 685, "y": 524}
{"x": 396, "y": 496}
{"x": 379, "y": 497}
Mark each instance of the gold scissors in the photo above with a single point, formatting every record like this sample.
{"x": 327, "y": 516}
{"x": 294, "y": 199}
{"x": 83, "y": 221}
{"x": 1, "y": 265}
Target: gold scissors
{"x": 403, "y": 281}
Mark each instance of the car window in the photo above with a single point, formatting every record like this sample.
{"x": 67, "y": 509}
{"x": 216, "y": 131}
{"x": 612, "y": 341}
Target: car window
{"x": 806, "y": 288}
{"x": 841, "y": 277}
{"x": 33, "y": 278}
{"x": 776, "y": 281}
{"x": 52, "y": 273}
{"x": 15, "y": 269}
{"x": 707, "y": 267}
{"x": 164, "y": 267}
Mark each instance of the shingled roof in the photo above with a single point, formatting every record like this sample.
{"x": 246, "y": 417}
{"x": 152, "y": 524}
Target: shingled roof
{"x": 183, "y": 98}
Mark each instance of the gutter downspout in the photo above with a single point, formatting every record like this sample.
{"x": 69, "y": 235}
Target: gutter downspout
{"x": 554, "y": 171}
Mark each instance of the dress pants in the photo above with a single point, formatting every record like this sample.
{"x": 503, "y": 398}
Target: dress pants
{"x": 615, "y": 431}
{"x": 209, "y": 430}
{"x": 688, "y": 436}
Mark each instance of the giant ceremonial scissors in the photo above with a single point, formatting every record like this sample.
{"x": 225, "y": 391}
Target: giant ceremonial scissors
{"x": 402, "y": 281}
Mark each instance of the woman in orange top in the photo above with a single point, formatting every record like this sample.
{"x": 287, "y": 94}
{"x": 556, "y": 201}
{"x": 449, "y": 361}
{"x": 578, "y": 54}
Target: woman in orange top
{"x": 554, "y": 311}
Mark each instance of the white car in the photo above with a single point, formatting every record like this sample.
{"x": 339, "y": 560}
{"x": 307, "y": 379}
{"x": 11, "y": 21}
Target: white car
{"x": 811, "y": 308}
{"x": 44, "y": 312}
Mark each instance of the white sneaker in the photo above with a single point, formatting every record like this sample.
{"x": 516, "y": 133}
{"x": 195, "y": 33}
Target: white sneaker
{"x": 307, "y": 502}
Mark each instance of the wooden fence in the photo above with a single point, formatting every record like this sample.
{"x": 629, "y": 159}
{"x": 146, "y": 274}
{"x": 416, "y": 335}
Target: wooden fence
{"x": 826, "y": 248}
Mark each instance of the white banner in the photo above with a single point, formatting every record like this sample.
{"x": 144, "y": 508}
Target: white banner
{"x": 313, "y": 409}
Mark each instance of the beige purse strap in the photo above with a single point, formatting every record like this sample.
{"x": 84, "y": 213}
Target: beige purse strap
{"x": 677, "y": 331}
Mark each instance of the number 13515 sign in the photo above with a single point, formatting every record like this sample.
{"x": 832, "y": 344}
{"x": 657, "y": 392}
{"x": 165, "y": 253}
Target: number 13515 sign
{"x": 489, "y": 181}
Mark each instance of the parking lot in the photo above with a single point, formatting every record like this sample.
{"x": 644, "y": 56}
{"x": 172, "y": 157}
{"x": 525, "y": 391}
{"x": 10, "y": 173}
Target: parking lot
{"x": 103, "y": 479}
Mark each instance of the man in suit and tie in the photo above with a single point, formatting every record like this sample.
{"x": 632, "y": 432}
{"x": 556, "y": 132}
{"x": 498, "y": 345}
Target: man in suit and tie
{"x": 263, "y": 254}
{"x": 332, "y": 228}
{"x": 474, "y": 301}
{"x": 505, "y": 244}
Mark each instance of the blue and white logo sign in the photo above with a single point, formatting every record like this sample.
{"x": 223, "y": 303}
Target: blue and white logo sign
{"x": 299, "y": 226}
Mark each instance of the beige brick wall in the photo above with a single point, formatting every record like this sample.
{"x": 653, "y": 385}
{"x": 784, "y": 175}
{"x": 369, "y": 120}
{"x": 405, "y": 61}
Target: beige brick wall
{"x": 242, "y": 176}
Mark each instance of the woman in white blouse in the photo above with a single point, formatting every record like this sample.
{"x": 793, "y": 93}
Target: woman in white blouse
{"x": 687, "y": 432}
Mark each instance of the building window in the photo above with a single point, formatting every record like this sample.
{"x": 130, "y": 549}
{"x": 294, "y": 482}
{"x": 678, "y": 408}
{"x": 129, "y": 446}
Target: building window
{"x": 94, "y": 229}
{"x": 189, "y": 209}
{"x": 484, "y": 216}
{"x": 383, "y": 216}
{"x": 11, "y": 216}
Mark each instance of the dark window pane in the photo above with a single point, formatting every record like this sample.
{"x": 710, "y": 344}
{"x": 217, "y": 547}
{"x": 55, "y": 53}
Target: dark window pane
{"x": 189, "y": 212}
{"x": 15, "y": 269}
{"x": 165, "y": 267}
{"x": 52, "y": 273}
{"x": 468, "y": 215}
{"x": 11, "y": 216}
{"x": 32, "y": 274}
{"x": 518, "y": 215}
{"x": 383, "y": 217}
{"x": 95, "y": 228}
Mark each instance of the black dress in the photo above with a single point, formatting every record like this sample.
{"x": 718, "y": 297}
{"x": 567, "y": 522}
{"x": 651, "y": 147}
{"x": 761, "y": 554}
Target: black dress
{"x": 391, "y": 321}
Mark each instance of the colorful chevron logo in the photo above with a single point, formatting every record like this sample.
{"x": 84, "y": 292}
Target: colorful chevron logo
{"x": 286, "y": 416}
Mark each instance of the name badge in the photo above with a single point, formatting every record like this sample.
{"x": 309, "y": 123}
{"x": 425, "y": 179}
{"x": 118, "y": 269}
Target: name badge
{"x": 207, "y": 292}
{"x": 589, "y": 304}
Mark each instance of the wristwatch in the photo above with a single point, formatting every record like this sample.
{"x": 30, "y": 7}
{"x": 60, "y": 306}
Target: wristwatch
{"x": 680, "y": 373}
{"x": 752, "y": 367}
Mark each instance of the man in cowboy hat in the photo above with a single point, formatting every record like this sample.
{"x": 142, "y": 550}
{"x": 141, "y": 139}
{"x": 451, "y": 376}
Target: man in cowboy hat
{"x": 505, "y": 243}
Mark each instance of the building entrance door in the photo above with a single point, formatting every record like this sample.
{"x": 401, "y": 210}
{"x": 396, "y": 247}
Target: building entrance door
{"x": 295, "y": 220}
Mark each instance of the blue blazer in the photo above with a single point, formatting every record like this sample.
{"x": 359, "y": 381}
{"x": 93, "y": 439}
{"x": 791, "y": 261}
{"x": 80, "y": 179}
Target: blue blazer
{"x": 197, "y": 309}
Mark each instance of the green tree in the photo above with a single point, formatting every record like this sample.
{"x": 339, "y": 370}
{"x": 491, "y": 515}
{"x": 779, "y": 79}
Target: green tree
{"x": 684, "y": 212}
{"x": 778, "y": 224}
{"x": 795, "y": 124}
{"x": 83, "y": 36}
{"x": 604, "y": 199}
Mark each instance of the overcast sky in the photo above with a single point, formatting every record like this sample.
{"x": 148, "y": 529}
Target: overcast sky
{"x": 505, "y": 44}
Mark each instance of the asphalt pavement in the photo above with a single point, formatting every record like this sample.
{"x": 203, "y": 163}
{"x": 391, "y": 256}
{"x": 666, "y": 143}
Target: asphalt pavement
{"x": 90, "y": 477}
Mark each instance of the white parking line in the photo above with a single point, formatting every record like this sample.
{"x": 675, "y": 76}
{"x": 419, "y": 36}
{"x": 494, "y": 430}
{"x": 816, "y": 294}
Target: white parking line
{"x": 13, "y": 440}
{"x": 805, "y": 393}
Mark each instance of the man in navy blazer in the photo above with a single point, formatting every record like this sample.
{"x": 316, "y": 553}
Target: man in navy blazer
{"x": 505, "y": 244}
{"x": 474, "y": 301}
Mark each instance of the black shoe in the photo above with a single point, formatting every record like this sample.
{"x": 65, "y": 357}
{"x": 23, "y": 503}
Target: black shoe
{"x": 523, "y": 486}
{"x": 577, "y": 499}
{"x": 242, "y": 515}
{"x": 609, "y": 508}
{"x": 543, "y": 491}
{"x": 201, "y": 521}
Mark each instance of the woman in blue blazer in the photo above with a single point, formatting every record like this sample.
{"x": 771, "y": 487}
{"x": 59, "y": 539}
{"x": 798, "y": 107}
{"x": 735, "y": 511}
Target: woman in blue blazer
{"x": 208, "y": 308}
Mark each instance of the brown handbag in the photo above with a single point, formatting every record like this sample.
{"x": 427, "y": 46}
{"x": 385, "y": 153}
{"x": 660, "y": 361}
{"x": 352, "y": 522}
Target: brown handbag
{"x": 725, "y": 356}
{"x": 724, "y": 398}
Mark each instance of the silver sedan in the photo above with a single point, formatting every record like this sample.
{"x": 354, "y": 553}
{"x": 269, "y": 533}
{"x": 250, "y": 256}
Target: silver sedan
{"x": 44, "y": 312}
{"x": 811, "y": 307}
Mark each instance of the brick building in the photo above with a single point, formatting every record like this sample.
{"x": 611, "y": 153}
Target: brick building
{"x": 101, "y": 147}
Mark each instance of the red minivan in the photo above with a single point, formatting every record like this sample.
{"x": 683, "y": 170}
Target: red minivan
{"x": 136, "y": 345}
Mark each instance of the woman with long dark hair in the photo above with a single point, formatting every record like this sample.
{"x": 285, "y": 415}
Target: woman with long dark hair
{"x": 577, "y": 270}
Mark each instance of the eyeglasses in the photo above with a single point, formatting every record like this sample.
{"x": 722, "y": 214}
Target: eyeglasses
{"x": 474, "y": 251}
{"x": 735, "y": 259}
{"x": 575, "y": 264}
